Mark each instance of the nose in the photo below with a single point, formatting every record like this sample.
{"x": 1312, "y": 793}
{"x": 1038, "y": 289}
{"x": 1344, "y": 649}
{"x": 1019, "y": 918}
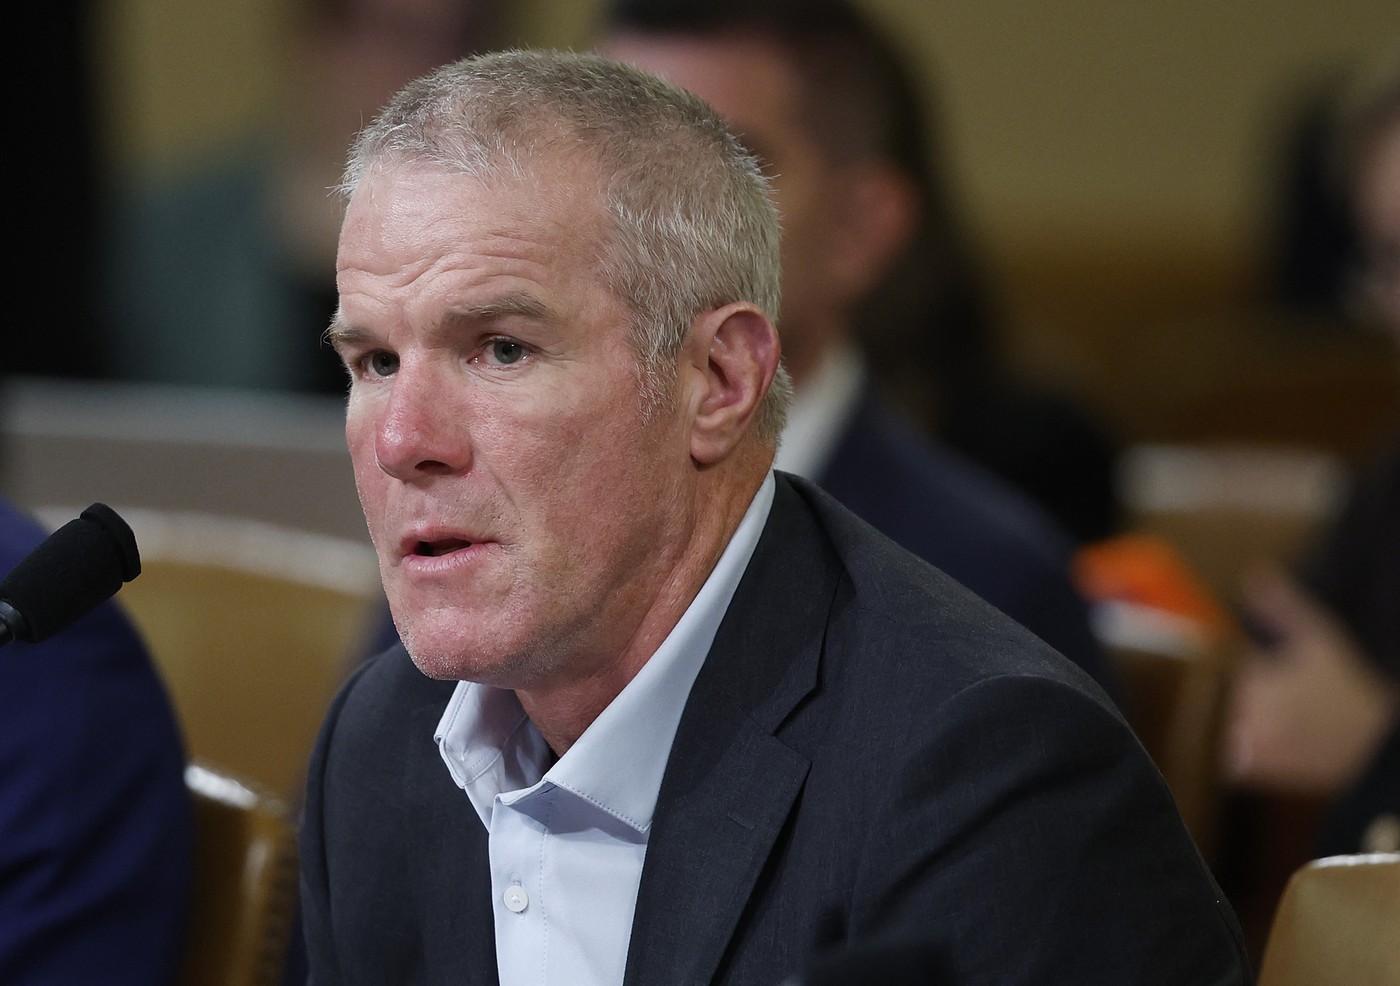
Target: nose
{"x": 419, "y": 432}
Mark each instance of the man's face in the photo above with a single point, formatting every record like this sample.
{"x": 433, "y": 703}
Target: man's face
{"x": 754, "y": 86}
{"x": 522, "y": 506}
{"x": 1378, "y": 219}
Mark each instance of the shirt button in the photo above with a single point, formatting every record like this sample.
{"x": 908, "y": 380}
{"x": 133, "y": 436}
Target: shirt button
{"x": 516, "y": 899}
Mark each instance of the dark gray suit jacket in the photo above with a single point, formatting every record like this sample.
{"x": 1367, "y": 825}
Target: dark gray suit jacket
{"x": 870, "y": 754}
{"x": 970, "y": 524}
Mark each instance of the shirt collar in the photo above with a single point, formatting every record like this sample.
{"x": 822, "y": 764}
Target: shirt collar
{"x": 493, "y": 750}
{"x": 819, "y": 412}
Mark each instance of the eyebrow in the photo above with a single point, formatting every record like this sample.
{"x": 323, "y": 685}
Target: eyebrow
{"x": 512, "y": 304}
{"x": 341, "y": 332}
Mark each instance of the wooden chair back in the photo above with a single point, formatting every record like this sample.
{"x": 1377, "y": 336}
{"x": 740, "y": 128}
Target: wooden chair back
{"x": 1337, "y": 924}
{"x": 254, "y": 627}
{"x": 1175, "y": 679}
{"x": 243, "y": 914}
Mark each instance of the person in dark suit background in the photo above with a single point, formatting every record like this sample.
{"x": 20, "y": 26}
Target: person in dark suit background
{"x": 881, "y": 261}
{"x": 820, "y": 96}
{"x": 96, "y": 825}
{"x": 664, "y": 714}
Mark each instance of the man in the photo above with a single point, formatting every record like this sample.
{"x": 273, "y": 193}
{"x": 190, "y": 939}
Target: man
{"x": 818, "y": 95}
{"x": 694, "y": 721}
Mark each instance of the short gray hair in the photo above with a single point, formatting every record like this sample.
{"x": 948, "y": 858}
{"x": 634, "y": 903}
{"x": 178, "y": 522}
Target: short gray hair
{"x": 694, "y": 226}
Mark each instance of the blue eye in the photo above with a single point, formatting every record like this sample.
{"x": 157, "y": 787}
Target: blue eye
{"x": 382, "y": 364}
{"x": 506, "y": 351}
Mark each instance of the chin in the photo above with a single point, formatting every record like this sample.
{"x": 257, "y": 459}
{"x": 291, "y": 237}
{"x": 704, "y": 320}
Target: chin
{"x": 442, "y": 659}
{"x": 450, "y": 657}
{"x": 436, "y": 666}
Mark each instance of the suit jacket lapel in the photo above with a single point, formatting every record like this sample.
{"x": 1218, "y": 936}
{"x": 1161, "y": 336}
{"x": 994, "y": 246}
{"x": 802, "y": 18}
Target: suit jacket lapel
{"x": 731, "y": 782}
{"x": 449, "y": 864}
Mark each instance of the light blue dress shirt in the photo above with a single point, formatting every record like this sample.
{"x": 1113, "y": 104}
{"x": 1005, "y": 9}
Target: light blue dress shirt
{"x": 567, "y": 843}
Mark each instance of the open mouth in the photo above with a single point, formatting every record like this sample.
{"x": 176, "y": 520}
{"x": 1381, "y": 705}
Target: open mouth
{"x": 434, "y": 549}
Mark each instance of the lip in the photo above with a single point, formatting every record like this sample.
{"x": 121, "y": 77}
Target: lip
{"x": 433, "y": 550}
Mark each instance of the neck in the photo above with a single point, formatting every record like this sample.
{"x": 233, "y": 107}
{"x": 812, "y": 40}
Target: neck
{"x": 563, "y": 706}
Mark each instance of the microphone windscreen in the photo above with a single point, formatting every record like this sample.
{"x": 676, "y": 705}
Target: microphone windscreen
{"x": 76, "y": 567}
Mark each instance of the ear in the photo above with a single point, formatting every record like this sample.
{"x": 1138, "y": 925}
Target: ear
{"x": 732, "y": 354}
{"x": 881, "y": 214}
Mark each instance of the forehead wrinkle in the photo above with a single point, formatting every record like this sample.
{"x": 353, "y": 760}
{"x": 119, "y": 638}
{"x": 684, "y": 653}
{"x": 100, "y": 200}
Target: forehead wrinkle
{"x": 504, "y": 232}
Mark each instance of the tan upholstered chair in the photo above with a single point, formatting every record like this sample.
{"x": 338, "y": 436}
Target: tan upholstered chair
{"x": 1338, "y": 924}
{"x": 243, "y": 913}
{"x": 254, "y": 627}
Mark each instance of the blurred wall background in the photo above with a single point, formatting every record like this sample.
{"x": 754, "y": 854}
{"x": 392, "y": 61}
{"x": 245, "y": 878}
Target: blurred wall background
{"x": 1119, "y": 164}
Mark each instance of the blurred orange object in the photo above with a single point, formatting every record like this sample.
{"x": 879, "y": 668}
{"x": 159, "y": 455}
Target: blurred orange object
{"x": 1142, "y": 569}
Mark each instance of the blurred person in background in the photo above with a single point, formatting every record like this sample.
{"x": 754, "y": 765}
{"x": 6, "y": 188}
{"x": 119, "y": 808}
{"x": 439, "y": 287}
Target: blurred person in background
{"x": 219, "y": 274}
{"x": 1316, "y": 703}
{"x": 96, "y": 824}
{"x": 915, "y": 298}
{"x": 822, "y": 98}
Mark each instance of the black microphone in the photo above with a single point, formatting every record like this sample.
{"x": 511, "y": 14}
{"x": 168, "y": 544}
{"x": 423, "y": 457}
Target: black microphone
{"x": 76, "y": 567}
